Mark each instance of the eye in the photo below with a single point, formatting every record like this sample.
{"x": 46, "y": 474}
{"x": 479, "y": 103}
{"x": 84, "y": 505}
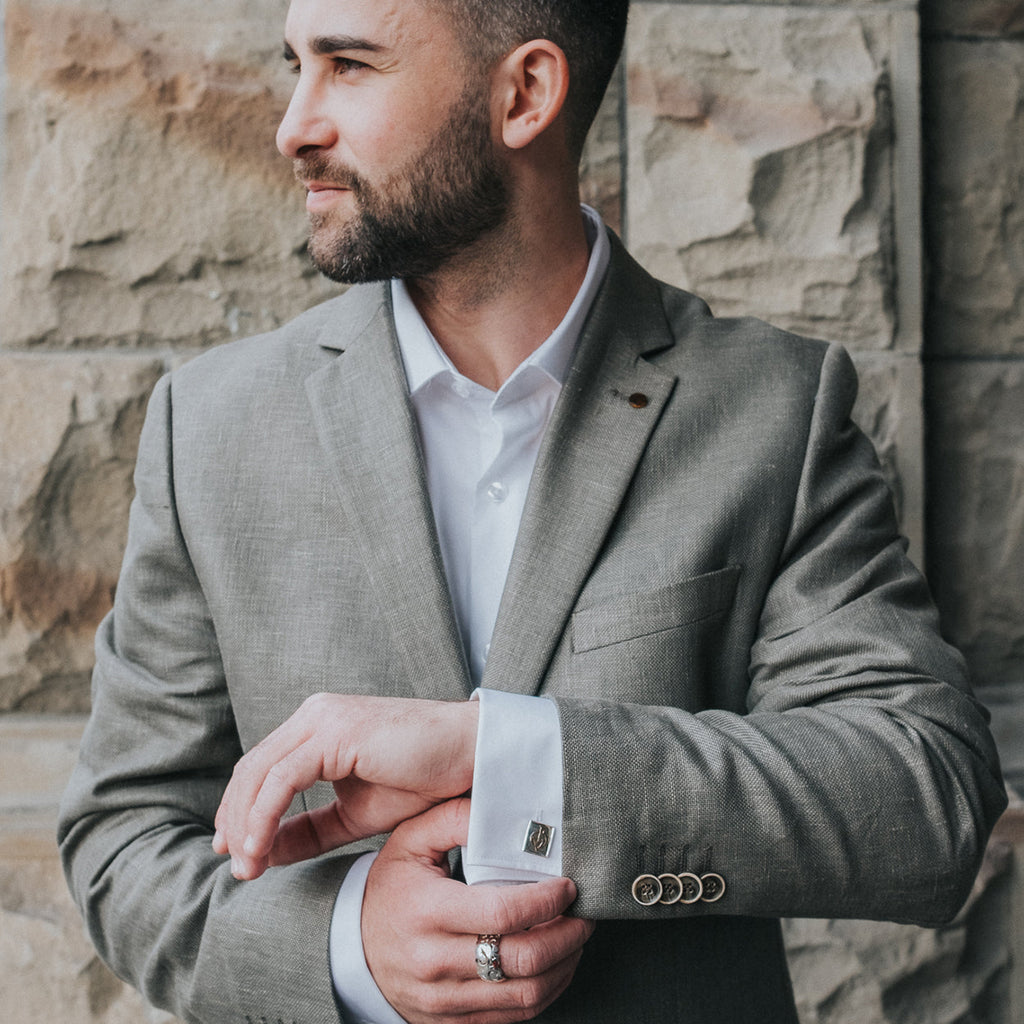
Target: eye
{"x": 344, "y": 65}
{"x": 294, "y": 68}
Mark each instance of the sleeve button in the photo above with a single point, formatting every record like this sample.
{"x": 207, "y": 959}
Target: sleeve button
{"x": 646, "y": 890}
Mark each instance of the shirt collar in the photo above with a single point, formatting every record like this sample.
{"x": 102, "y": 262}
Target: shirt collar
{"x": 424, "y": 359}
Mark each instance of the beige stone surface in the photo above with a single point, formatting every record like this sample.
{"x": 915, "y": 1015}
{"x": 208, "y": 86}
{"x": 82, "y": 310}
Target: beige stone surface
{"x": 976, "y": 512}
{"x": 49, "y": 971}
{"x": 69, "y": 430}
{"x": 974, "y": 121}
{"x": 601, "y": 165}
{"x": 146, "y": 202}
{"x": 761, "y": 163}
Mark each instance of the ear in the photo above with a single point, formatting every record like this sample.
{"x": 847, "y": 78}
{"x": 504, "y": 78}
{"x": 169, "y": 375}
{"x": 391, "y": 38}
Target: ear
{"x": 533, "y": 81}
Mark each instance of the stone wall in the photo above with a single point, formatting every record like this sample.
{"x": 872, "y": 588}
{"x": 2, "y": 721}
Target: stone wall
{"x": 973, "y": 61}
{"x": 766, "y": 155}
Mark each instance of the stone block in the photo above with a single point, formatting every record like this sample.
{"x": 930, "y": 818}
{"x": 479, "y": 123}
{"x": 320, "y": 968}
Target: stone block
{"x": 974, "y": 167}
{"x": 48, "y": 968}
{"x": 973, "y": 17}
{"x": 145, "y": 201}
{"x": 69, "y": 429}
{"x": 761, "y": 163}
{"x": 975, "y": 512}
{"x": 601, "y": 166}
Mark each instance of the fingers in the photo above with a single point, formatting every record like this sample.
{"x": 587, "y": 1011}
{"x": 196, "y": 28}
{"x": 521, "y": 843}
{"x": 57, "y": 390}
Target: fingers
{"x": 542, "y": 948}
{"x": 483, "y": 908}
{"x": 481, "y": 1002}
{"x": 420, "y": 930}
{"x": 407, "y": 754}
{"x": 260, "y": 790}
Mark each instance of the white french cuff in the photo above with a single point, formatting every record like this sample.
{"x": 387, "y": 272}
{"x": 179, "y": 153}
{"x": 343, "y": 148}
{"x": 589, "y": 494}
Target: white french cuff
{"x": 515, "y": 819}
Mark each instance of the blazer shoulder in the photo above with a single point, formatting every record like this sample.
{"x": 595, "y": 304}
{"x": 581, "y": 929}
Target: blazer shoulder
{"x": 745, "y": 346}
{"x": 296, "y": 348}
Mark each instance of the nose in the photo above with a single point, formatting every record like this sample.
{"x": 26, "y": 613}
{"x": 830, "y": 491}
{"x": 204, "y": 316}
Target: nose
{"x": 305, "y": 124}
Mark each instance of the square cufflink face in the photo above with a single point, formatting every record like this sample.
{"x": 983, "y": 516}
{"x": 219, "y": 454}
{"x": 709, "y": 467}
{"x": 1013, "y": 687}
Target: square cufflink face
{"x": 538, "y": 839}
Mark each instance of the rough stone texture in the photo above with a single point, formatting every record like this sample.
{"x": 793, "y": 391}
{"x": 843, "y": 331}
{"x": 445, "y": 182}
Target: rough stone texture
{"x": 601, "y": 166}
{"x": 48, "y": 969}
{"x": 976, "y": 521}
{"x": 68, "y": 435}
{"x": 140, "y": 144}
{"x": 761, "y": 163}
{"x": 974, "y": 134}
{"x": 974, "y": 17}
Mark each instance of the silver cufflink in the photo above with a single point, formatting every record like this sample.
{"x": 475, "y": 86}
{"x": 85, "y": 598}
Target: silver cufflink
{"x": 538, "y": 839}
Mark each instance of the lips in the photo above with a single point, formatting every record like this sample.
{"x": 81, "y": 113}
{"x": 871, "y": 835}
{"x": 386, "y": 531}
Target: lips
{"x": 322, "y": 195}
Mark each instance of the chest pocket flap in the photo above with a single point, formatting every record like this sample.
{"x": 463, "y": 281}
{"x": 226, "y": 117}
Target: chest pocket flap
{"x": 654, "y": 611}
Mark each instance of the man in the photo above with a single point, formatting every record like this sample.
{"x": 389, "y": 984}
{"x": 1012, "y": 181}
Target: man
{"x": 711, "y": 688}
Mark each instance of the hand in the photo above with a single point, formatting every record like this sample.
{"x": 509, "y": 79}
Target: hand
{"x": 388, "y": 758}
{"x": 420, "y": 928}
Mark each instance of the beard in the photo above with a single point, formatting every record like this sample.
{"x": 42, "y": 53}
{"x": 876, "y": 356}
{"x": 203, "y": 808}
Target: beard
{"x": 434, "y": 207}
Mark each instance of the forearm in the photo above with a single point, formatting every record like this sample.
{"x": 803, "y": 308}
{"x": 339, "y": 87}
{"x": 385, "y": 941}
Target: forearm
{"x": 868, "y": 810}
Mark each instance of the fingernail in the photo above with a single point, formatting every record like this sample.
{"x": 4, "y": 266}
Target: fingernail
{"x": 236, "y": 868}
{"x": 217, "y": 837}
{"x": 249, "y": 846}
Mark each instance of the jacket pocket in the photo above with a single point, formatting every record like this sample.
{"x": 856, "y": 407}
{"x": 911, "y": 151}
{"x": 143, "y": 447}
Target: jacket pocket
{"x": 654, "y": 611}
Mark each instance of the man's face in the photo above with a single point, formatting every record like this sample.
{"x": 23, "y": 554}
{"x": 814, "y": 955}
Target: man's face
{"x": 390, "y": 132}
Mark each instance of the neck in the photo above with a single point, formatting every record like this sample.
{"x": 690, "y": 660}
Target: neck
{"x": 495, "y": 304}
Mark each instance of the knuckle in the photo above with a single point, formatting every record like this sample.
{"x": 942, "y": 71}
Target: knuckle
{"x": 422, "y": 966}
{"x": 315, "y": 705}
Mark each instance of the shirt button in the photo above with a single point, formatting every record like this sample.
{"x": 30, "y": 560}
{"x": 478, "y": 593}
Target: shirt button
{"x": 497, "y": 492}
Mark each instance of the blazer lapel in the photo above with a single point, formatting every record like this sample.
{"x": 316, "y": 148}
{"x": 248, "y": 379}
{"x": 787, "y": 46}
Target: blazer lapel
{"x": 366, "y": 427}
{"x": 597, "y": 435}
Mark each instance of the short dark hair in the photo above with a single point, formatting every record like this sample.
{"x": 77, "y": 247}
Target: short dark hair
{"x": 590, "y": 32}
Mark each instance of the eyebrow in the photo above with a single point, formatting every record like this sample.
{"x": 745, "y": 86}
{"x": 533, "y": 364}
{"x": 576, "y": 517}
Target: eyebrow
{"x": 324, "y": 46}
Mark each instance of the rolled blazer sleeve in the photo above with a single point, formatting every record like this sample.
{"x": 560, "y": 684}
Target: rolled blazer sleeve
{"x": 136, "y": 823}
{"x": 860, "y": 779}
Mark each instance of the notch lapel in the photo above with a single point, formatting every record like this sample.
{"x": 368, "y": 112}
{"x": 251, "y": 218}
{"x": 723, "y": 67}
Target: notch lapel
{"x": 367, "y": 429}
{"x": 590, "y": 452}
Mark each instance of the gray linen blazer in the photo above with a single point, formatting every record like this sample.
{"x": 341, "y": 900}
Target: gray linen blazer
{"x": 708, "y": 581}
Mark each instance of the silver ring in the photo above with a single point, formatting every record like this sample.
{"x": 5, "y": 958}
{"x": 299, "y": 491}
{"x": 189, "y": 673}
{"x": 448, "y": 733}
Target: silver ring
{"x": 488, "y": 959}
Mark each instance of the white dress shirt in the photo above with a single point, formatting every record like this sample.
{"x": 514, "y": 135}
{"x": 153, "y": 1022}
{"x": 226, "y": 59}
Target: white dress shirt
{"x": 479, "y": 450}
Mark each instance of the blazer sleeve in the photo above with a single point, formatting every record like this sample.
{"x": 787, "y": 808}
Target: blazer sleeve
{"x": 137, "y": 819}
{"x": 861, "y": 781}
